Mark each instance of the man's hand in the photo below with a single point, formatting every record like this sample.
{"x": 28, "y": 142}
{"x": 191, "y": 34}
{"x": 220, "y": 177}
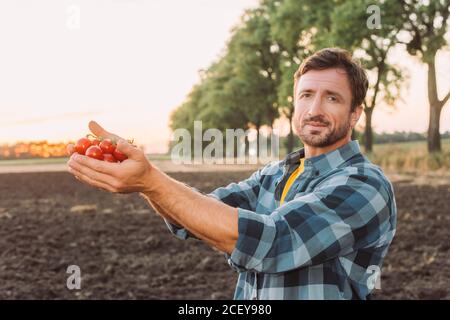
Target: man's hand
{"x": 128, "y": 176}
{"x": 208, "y": 219}
{"x": 98, "y": 131}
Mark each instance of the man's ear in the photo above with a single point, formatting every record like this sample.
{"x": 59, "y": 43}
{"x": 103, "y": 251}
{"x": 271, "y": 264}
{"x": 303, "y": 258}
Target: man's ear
{"x": 355, "y": 115}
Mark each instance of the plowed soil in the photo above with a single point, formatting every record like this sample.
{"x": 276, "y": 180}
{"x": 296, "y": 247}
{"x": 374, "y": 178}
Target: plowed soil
{"x": 49, "y": 221}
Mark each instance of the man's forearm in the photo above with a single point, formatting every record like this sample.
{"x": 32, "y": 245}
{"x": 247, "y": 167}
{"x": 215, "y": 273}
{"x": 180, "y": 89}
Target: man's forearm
{"x": 208, "y": 219}
{"x": 160, "y": 211}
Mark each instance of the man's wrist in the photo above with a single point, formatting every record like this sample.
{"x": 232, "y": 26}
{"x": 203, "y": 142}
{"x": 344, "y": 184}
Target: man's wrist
{"x": 151, "y": 181}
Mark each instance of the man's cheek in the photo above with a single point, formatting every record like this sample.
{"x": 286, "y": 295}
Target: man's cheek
{"x": 296, "y": 125}
{"x": 298, "y": 117}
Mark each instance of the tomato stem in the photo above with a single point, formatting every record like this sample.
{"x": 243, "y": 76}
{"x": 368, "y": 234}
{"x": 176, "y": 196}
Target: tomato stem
{"x": 89, "y": 135}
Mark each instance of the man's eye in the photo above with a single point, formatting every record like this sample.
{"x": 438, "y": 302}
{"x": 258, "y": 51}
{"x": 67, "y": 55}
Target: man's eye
{"x": 332, "y": 98}
{"x": 305, "y": 95}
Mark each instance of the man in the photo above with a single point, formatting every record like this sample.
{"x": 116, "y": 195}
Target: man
{"x": 316, "y": 225}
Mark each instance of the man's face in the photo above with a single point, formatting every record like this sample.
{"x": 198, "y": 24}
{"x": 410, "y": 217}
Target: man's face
{"x": 322, "y": 107}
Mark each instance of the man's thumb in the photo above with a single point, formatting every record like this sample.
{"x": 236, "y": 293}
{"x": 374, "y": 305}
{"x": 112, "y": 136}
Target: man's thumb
{"x": 127, "y": 149}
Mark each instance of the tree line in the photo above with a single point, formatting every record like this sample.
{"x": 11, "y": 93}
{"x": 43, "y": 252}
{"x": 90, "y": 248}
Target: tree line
{"x": 251, "y": 84}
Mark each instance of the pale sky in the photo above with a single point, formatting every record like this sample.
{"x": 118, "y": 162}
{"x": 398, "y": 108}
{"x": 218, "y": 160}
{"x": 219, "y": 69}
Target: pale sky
{"x": 129, "y": 64}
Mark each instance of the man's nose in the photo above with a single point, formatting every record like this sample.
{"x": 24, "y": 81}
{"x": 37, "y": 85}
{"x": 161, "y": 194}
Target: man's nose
{"x": 316, "y": 106}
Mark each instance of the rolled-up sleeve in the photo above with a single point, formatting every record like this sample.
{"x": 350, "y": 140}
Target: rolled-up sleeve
{"x": 242, "y": 194}
{"x": 346, "y": 213}
{"x": 177, "y": 231}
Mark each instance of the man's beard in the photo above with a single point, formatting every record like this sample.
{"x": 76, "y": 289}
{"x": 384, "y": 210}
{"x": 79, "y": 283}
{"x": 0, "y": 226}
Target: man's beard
{"x": 323, "y": 138}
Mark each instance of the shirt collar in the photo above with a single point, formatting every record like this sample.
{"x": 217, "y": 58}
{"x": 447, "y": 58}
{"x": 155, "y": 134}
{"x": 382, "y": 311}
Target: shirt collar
{"x": 327, "y": 161}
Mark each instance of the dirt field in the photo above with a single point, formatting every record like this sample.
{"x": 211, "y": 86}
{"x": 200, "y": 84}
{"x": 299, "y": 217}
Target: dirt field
{"x": 49, "y": 221}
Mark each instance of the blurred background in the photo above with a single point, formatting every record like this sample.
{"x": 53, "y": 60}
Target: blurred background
{"x": 146, "y": 68}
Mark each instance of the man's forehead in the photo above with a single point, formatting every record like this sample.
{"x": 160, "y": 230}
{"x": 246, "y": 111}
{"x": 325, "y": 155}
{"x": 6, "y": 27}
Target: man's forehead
{"x": 329, "y": 79}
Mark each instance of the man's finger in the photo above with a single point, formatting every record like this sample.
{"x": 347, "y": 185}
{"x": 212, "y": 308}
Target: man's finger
{"x": 70, "y": 149}
{"x": 94, "y": 175}
{"x": 107, "y": 168}
{"x": 98, "y": 130}
{"x": 129, "y": 150}
{"x": 87, "y": 180}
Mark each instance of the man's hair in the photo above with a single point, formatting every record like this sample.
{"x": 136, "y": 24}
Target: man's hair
{"x": 338, "y": 58}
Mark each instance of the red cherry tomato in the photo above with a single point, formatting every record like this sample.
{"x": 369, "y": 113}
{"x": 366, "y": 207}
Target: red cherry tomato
{"x": 82, "y": 145}
{"x": 109, "y": 158}
{"x": 95, "y": 142}
{"x": 95, "y": 152}
{"x": 107, "y": 146}
{"x": 119, "y": 156}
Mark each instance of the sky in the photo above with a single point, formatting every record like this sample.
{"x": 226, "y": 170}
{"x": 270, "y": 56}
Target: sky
{"x": 129, "y": 63}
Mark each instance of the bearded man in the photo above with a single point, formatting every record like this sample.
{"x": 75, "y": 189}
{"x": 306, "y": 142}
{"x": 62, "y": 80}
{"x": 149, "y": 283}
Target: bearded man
{"x": 316, "y": 225}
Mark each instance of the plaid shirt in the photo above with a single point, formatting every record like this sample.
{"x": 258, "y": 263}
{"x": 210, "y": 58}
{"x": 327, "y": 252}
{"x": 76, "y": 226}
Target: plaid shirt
{"x": 328, "y": 239}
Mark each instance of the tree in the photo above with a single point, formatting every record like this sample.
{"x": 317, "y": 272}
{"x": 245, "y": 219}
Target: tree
{"x": 211, "y": 101}
{"x": 256, "y": 65}
{"x": 239, "y": 90}
{"x": 372, "y": 46}
{"x": 426, "y": 23}
{"x": 289, "y": 20}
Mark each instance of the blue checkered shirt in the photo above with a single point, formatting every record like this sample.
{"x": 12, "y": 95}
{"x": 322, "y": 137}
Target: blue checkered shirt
{"x": 329, "y": 238}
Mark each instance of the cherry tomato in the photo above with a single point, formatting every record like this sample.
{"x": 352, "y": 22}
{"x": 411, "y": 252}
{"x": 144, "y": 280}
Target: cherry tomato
{"x": 119, "y": 156}
{"x": 107, "y": 146}
{"x": 109, "y": 158}
{"x": 95, "y": 152}
{"x": 82, "y": 145}
{"x": 95, "y": 142}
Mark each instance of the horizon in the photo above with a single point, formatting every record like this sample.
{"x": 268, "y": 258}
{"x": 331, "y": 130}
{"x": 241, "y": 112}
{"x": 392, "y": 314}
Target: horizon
{"x": 121, "y": 70}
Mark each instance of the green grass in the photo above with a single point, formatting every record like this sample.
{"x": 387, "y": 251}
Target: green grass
{"x": 406, "y": 156}
{"x": 421, "y": 146}
{"x": 411, "y": 156}
{"x": 37, "y": 161}
{"x": 40, "y": 161}
{"x": 159, "y": 157}
{"x": 400, "y": 157}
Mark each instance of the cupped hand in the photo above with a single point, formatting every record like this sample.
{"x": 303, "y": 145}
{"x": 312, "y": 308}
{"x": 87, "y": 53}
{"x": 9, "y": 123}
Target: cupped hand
{"x": 98, "y": 131}
{"x": 128, "y": 176}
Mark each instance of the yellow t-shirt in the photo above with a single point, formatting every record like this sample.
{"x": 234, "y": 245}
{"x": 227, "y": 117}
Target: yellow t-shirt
{"x": 292, "y": 178}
